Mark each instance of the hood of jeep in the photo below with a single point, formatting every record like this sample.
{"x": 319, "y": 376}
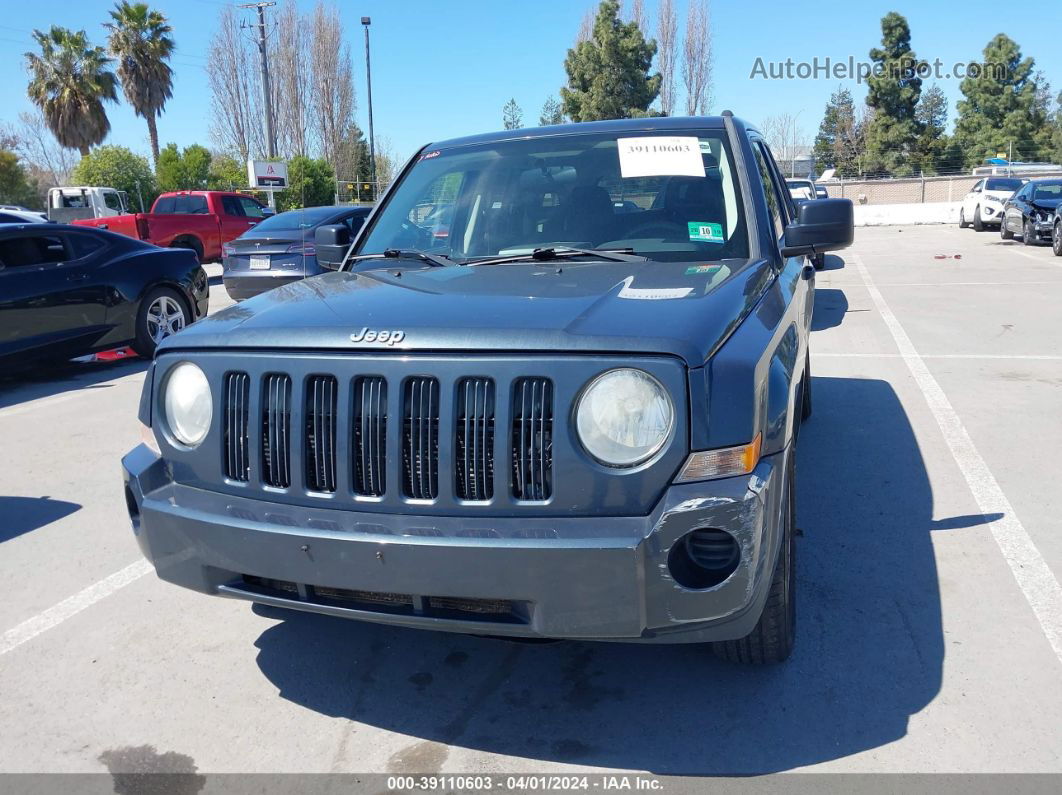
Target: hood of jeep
{"x": 682, "y": 309}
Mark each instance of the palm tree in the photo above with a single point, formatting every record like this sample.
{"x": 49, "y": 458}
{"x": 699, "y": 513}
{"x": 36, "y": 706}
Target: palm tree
{"x": 139, "y": 39}
{"x": 69, "y": 82}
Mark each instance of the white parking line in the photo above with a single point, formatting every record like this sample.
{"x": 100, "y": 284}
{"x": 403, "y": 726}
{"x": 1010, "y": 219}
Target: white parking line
{"x": 1034, "y": 576}
{"x": 57, "y": 614}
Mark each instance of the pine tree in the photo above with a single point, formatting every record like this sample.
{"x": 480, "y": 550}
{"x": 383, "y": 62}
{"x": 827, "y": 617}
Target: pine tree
{"x": 551, "y": 113}
{"x": 932, "y": 145}
{"x": 512, "y": 115}
{"x": 893, "y": 93}
{"x": 1005, "y": 107}
{"x": 608, "y": 74}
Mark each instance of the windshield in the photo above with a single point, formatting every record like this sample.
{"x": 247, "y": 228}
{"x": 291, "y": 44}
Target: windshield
{"x": 1048, "y": 191}
{"x": 295, "y": 219}
{"x": 666, "y": 197}
{"x": 1003, "y": 184}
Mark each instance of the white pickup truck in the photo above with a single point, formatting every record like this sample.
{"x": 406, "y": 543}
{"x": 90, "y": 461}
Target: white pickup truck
{"x": 74, "y": 203}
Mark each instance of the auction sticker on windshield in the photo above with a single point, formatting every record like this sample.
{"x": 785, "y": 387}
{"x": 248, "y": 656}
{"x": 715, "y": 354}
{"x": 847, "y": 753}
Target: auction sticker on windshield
{"x": 669, "y": 156}
{"x": 706, "y": 232}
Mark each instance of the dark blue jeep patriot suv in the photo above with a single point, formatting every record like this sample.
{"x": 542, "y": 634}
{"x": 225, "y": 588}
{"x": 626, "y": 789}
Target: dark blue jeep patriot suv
{"x": 552, "y": 389}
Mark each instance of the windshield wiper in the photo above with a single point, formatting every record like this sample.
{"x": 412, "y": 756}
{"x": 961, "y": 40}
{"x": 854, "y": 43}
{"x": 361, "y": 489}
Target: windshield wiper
{"x": 564, "y": 252}
{"x": 436, "y": 260}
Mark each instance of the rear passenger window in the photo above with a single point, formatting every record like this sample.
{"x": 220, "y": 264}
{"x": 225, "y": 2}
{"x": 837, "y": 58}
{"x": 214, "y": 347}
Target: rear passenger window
{"x": 83, "y": 245}
{"x": 191, "y": 205}
{"x": 165, "y": 205}
{"x": 231, "y": 206}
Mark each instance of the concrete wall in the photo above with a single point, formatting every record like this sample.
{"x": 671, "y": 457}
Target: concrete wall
{"x": 907, "y": 191}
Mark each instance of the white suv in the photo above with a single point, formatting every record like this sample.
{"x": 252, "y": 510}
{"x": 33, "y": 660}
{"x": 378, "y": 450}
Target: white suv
{"x": 983, "y": 205}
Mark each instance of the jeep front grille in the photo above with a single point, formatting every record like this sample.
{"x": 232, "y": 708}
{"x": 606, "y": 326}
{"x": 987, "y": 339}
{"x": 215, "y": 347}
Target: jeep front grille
{"x": 420, "y": 438}
{"x": 474, "y": 441}
{"x": 335, "y": 436}
{"x": 276, "y": 430}
{"x": 532, "y": 444}
{"x": 320, "y": 434}
{"x": 370, "y": 436}
{"x": 237, "y": 406}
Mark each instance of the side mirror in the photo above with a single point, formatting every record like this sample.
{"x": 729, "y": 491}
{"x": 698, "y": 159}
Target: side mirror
{"x": 268, "y": 211}
{"x": 331, "y": 242}
{"x": 823, "y": 225}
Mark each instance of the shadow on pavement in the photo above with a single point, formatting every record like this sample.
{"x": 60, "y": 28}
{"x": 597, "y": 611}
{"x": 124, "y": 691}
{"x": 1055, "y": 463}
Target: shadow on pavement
{"x": 833, "y": 262}
{"x": 869, "y": 652}
{"x": 20, "y": 515}
{"x": 56, "y": 378}
{"x": 831, "y": 305}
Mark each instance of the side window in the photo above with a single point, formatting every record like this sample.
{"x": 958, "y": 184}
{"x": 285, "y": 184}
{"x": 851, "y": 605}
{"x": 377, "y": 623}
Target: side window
{"x": 197, "y": 205}
{"x": 165, "y": 205}
{"x": 354, "y": 222}
{"x": 9, "y": 219}
{"x": 251, "y": 208}
{"x": 83, "y": 245}
{"x": 112, "y": 200}
{"x": 25, "y": 250}
{"x": 231, "y": 206}
{"x": 773, "y": 204}
{"x": 978, "y": 187}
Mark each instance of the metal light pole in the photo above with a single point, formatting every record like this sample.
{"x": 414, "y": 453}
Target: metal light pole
{"x": 267, "y": 96}
{"x": 366, "y": 21}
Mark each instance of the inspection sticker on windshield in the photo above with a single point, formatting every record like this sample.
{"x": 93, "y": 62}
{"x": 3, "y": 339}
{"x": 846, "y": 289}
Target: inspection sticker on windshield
{"x": 705, "y": 232}
{"x": 670, "y": 156}
{"x": 693, "y": 270}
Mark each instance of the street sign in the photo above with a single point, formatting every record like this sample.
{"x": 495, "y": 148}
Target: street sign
{"x": 267, "y": 174}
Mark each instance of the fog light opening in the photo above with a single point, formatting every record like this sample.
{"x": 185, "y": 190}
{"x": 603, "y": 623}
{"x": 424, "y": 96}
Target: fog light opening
{"x": 703, "y": 558}
{"x": 132, "y": 507}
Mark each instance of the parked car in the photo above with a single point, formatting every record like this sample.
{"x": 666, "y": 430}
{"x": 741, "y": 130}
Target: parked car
{"x": 69, "y": 204}
{"x": 202, "y": 221}
{"x": 8, "y": 216}
{"x": 983, "y": 205}
{"x": 281, "y": 249}
{"x": 559, "y": 421}
{"x": 66, "y": 291}
{"x": 801, "y": 188}
{"x": 1030, "y": 213}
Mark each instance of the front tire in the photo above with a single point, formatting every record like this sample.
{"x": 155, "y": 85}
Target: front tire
{"x": 162, "y": 312}
{"x": 1004, "y": 233}
{"x": 962, "y": 218}
{"x": 1028, "y": 235}
{"x": 979, "y": 225}
{"x": 1056, "y": 239}
{"x": 771, "y": 641}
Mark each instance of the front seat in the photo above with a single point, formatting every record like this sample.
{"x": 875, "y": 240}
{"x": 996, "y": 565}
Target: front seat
{"x": 590, "y": 216}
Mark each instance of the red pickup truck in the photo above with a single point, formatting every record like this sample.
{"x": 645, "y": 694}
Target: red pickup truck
{"x": 201, "y": 220}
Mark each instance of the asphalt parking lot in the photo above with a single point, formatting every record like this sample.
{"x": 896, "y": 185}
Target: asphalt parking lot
{"x": 929, "y": 615}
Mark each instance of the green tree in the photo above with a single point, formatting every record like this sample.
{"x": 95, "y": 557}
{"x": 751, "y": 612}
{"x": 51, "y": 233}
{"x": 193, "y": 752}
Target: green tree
{"x": 120, "y": 168}
{"x": 69, "y": 81}
{"x": 608, "y": 74}
{"x": 552, "y": 113}
{"x": 226, "y": 173}
{"x": 893, "y": 92}
{"x": 140, "y": 41}
{"x": 15, "y": 186}
{"x": 835, "y": 143}
{"x": 1004, "y": 107}
{"x": 931, "y": 148}
{"x": 187, "y": 170}
{"x": 311, "y": 183}
{"x": 512, "y": 115}
{"x": 1056, "y": 133}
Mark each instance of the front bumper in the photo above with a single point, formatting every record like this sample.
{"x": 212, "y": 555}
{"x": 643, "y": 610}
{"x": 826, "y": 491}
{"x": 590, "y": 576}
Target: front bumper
{"x": 602, "y": 578}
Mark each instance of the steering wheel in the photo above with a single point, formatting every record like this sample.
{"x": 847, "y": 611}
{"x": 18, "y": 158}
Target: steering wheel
{"x": 414, "y": 236}
{"x": 666, "y": 228}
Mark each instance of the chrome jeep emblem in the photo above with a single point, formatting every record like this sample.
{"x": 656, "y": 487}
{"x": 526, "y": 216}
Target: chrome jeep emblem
{"x": 370, "y": 335}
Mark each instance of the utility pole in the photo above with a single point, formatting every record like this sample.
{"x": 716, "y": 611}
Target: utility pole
{"x": 267, "y": 99}
{"x": 366, "y": 21}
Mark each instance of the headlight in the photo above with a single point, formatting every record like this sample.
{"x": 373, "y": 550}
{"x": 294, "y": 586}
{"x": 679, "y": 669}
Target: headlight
{"x": 187, "y": 404}
{"x": 624, "y": 417}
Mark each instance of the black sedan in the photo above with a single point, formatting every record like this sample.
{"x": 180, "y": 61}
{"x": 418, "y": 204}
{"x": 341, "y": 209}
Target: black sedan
{"x": 1029, "y": 214}
{"x": 281, "y": 249}
{"x": 67, "y": 291}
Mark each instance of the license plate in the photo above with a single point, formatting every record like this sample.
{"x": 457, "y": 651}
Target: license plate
{"x": 259, "y": 263}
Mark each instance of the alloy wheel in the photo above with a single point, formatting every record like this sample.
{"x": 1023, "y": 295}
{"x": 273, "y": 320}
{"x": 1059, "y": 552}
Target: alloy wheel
{"x": 165, "y": 316}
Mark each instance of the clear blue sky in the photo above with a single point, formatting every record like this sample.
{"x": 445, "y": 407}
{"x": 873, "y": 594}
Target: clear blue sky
{"x": 442, "y": 69}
